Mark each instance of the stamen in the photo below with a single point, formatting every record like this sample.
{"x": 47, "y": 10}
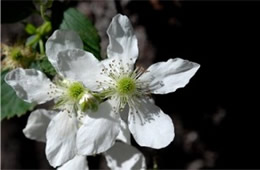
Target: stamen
{"x": 75, "y": 90}
{"x": 122, "y": 84}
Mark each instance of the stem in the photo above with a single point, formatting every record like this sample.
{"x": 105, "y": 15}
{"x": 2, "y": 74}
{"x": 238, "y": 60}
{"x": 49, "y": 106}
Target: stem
{"x": 43, "y": 15}
{"x": 42, "y": 11}
{"x": 42, "y": 51}
{"x": 35, "y": 39}
{"x": 155, "y": 165}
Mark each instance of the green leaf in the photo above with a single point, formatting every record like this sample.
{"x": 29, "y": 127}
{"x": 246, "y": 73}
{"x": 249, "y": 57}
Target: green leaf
{"x": 45, "y": 66}
{"x": 44, "y": 29}
{"x": 11, "y": 105}
{"x": 30, "y": 29}
{"x": 74, "y": 20}
{"x": 33, "y": 40}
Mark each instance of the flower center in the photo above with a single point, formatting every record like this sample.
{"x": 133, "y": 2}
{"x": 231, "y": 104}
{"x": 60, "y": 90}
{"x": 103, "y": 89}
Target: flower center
{"x": 75, "y": 90}
{"x": 16, "y": 54}
{"x": 121, "y": 83}
{"x": 126, "y": 86}
{"x": 88, "y": 101}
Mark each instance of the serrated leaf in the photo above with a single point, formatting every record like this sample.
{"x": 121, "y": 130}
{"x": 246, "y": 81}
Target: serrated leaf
{"x": 11, "y": 105}
{"x": 74, "y": 20}
{"x": 45, "y": 66}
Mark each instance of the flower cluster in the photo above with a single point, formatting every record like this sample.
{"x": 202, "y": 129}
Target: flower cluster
{"x": 99, "y": 103}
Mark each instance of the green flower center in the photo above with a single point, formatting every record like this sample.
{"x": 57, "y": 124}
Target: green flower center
{"x": 16, "y": 54}
{"x": 126, "y": 86}
{"x": 75, "y": 90}
{"x": 88, "y": 101}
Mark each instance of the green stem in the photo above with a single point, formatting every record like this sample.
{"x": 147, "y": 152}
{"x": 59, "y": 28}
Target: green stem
{"x": 43, "y": 15}
{"x": 155, "y": 165}
{"x": 42, "y": 11}
{"x": 42, "y": 51}
{"x": 35, "y": 39}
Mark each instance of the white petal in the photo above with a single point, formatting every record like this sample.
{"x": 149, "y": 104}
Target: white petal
{"x": 124, "y": 157}
{"x": 166, "y": 77}
{"x": 122, "y": 40}
{"x": 79, "y": 65}
{"x": 117, "y": 66}
{"x": 124, "y": 134}
{"x": 61, "y": 40}
{"x": 150, "y": 126}
{"x": 99, "y": 130}
{"x": 61, "y": 139}
{"x": 79, "y": 162}
{"x": 30, "y": 85}
{"x": 37, "y": 124}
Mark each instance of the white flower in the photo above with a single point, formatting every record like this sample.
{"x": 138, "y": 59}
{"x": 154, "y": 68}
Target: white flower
{"x": 126, "y": 85}
{"x": 79, "y": 162}
{"x": 129, "y": 87}
{"x": 120, "y": 156}
{"x": 36, "y": 128}
{"x": 74, "y": 98}
{"x": 124, "y": 157}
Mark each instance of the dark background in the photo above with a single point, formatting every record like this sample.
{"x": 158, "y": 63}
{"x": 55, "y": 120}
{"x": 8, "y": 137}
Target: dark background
{"x": 216, "y": 115}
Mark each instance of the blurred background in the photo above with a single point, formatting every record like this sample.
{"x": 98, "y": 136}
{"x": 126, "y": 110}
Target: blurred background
{"x": 216, "y": 116}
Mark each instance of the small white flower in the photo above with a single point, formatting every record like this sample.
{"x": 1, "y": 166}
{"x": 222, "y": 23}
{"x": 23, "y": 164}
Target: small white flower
{"x": 79, "y": 162}
{"x": 119, "y": 156}
{"x": 124, "y": 157}
{"x": 36, "y": 128}
{"x": 73, "y": 97}
{"x": 131, "y": 86}
{"x": 128, "y": 88}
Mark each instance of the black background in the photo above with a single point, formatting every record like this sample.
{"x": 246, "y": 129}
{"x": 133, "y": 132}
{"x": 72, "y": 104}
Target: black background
{"x": 224, "y": 38}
